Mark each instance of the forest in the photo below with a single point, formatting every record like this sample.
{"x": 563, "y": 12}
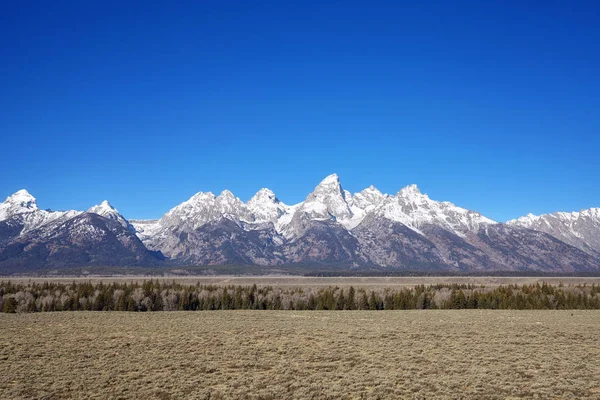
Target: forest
{"x": 153, "y": 295}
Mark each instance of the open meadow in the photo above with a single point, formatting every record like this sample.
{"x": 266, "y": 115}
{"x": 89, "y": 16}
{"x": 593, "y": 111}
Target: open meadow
{"x": 421, "y": 354}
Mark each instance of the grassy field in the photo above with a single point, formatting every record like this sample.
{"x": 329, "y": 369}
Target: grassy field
{"x": 303, "y": 281}
{"x": 287, "y": 354}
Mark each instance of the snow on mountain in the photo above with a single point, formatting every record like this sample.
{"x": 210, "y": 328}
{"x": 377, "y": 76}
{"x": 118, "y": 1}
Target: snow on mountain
{"x": 363, "y": 203}
{"x": 175, "y": 232}
{"x": 327, "y": 201}
{"x": 20, "y": 202}
{"x": 106, "y": 210}
{"x": 266, "y": 207}
{"x": 415, "y": 210}
{"x": 331, "y": 226}
{"x": 202, "y": 208}
{"x": 23, "y": 206}
{"x": 580, "y": 229}
{"x": 145, "y": 229}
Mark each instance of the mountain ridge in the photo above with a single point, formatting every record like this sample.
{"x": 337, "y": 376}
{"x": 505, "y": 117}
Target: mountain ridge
{"x": 332, "y": 226}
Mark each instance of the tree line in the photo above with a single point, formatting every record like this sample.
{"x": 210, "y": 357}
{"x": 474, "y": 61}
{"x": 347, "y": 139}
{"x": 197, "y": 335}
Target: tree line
{"x": 154, "y": 295}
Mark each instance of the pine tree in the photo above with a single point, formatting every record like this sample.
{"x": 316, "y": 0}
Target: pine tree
{"x": 350, "y": 299}
{"x": 341, "y": 301}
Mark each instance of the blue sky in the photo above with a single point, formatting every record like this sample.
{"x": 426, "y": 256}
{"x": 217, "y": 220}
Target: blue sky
{"x": 490, "y": 105}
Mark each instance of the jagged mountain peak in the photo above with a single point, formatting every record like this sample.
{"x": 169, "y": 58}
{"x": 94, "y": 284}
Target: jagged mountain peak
{"x": 106, "y": 210}
{"x": 327, "y": 201}
{"x": 226, "y": 194}
{"x": 332, "y": 179}
{"x": 201, "y": 196}
{"x": 530, "y": 219}
{"x": 372, "y": 192}
{"x": 202, "y": 208}
{"x": 363, "y": 203}
{"x": 416, "y": 210}
{"x": 372, "y": 189}
{"x": 367, "y": 198}
{"x": 265, "y": 193}
{"x": 22, "y": 198}
{"x": 263, "y": 196}
{"x": 21, "y": 207}
{"x": 329, "y": 186}
{"x": 591, "y": 212}
{"x": 105, "y": 206}
{"x": 20, "y": 202}
{"x": 411, "y": 191}
{"x": 20, "y": 195}
{"x": 265, "y": 206}
{"x": 524, "y": 220}
{"x": 406, "y": 230}
{"x": 579, "y": 228}
{"x": 227, "y": 199}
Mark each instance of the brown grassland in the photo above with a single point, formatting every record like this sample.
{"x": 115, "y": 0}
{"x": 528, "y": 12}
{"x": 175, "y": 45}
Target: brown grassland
{"x": 421, "y": 354}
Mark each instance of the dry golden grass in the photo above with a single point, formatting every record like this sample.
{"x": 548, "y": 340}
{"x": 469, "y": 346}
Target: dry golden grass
{"x": 285, "y": 354}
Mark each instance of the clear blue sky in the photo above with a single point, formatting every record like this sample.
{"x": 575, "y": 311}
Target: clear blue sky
{"x": 493, "y": 106}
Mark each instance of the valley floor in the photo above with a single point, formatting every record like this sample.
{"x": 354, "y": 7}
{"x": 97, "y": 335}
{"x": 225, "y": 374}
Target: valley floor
{"x": 488, "y": 354}
{"x": 291, "y": 281}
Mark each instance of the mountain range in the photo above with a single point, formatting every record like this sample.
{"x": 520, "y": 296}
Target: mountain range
{"x": 331, "y": 228}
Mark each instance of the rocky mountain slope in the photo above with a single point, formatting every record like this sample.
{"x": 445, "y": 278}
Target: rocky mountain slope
{"x": 33, "y": 239}
{"x": 331, "y": 227}
{"x": 580, "y": 229}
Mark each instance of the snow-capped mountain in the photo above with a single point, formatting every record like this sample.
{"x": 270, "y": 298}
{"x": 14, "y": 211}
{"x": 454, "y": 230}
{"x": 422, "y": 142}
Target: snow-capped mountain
{"x": 21, "y": 210}
{"x": 175, "y": 234}
{"x": 106, "y": 210}
{"x": 202, "y": 208}
{"x": 20, "y": 202}
{"x": 332, "y": 227}
{"x": 416, "y": 210}
{"x": 266, "y": 207}
{"x": 580, "y": 229}
{"x": 31, "y": 238}
{"x": 327, "y": 202}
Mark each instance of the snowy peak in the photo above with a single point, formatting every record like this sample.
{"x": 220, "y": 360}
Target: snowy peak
{"x": 200, "y": 197}
{"x": 412, "y": 195}
{"x": 327, "y": 201}
{"x": 20, "y": 202}
{"x": 591, "y": 213}
{"x": 106, "y": 210}
{"x": 367, "y": 198}
{"x": 264, "y": 195}
{"x": 202, "y": 208}
{"x": 230, "y": 206}
{"x": 524, "y": 221}
{"x": 363, "y": 203}
{"x": 580, "y": 228}
{"x": 409, "y": 191}
{"x": 331, "y": 180}
{"x": 265, "y": 206}
{"x": 23, "y": 199}
{"x": 226, "y": 194}
{"x": 416, "y": 210}
{"x": 23, "y": 206}
{"x": 532, "y": 221}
